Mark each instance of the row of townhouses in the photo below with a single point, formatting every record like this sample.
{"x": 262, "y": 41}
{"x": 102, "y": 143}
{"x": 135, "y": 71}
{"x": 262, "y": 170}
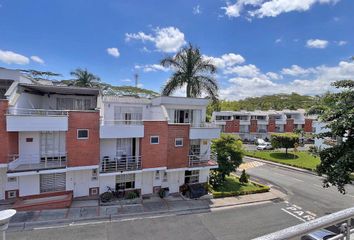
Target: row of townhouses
{"x": 260, "y": 124}
{"x": 57, "y": 138}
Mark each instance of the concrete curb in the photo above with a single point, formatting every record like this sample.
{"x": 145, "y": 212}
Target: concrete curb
{"x": 281, "y": 165}
{"x": 26, "y": 226}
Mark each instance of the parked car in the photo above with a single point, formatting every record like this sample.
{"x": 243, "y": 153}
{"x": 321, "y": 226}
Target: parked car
{"x": 319, "y": 235}
{"x": 265, "y": 146}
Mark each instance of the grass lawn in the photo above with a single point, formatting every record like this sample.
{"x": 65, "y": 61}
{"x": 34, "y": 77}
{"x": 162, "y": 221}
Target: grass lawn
{"x": 299, "y": 159}
{"x": 232, "y": 187}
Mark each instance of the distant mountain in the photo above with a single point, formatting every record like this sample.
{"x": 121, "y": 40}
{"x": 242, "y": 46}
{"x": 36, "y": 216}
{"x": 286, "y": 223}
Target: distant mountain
{"x": 108, "y": 89}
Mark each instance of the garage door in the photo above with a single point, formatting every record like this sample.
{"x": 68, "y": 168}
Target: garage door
{"x": 53, "y": 182}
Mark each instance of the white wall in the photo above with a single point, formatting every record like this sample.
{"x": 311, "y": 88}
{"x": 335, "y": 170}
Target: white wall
{"x": 36, "y": 123}
{"x": 28, "y": 185}
{"x": 108, "y": 147}
{"x": 107, "y": 181}
{"x": 80, "y": 181}
{"x": 203, "y": 175}
{"x": 175, "y": 180}
{"x": 147, "y": 182}
{"x": 29, "y": 148}
{"x": 205, "y": 147}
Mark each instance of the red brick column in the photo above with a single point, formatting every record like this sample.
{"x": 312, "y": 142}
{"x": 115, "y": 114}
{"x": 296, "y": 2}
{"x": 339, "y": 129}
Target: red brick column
{"x": 232, "y": 126}
{"x": 83, "y": 152}
{"x": 271, "y": 125}
{"x": 253, "y": 126}
{"x": 8, "y": 140}
{"x": 177, "y": 157}
{"x": 308, "y": 125}
{"x": 289, "y": 126}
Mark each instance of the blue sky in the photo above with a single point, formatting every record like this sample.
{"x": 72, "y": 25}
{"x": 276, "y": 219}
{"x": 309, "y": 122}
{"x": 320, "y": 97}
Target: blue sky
{"x": 260, "y": 46}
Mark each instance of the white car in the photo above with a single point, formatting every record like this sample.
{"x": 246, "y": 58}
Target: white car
{"x": 265, "y": 146}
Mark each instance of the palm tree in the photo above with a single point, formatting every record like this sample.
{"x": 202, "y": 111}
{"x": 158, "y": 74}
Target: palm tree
{"x": 84, "y": 78}
{"x": 192, "y": 70}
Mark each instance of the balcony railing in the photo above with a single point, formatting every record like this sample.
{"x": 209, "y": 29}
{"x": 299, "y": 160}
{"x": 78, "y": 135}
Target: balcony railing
{"x": 27, "y": 162}
{"x": 120, "y": 122}
{"x": 296, "y": 232}
{"x": 35, "y": 112}
{"x": 204, "y": 125}
{"x": 202, "y": 160}
{"x": 262, "y": 130}
{"x": 111, "y": 164}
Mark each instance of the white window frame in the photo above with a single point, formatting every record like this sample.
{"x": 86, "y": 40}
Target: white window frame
{"x": 158, "y": 139}
{"x": 12, "y": 179}
{"x": 82, "y": 138}
{"x": 11, "y": 194}
{"x": 178, "y": 139}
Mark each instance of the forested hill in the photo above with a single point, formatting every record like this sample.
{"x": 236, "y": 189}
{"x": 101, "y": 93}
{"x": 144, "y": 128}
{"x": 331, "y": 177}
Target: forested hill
{"x": 267, "y": 102}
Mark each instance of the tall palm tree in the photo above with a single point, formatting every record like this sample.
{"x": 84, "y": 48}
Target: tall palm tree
{"x": 192, "y": 70}
{"x": 84, "y": 78}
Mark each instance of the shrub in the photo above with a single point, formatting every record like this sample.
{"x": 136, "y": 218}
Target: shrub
{"x": 131, "y": 195}
{"x": 243, "y": 177}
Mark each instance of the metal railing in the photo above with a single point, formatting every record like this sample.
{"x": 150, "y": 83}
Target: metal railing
{"x": 120, "y": 122}
{"x": 204, "y": 125}
{"x": 25, "y": 162}
{"x": 36, "y": 112}
{"x": 120, "y": 163}
{"x": 200, "y": 160}
{"x": 296, "y": 232}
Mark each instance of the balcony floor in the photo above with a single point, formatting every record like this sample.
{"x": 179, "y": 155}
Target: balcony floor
{"x": 38, "y": 166}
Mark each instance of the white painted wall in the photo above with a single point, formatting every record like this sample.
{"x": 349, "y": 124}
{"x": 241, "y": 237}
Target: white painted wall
{"x": 80, "y": 182}
{"x": 16, "y": 123}
{"x": 107, "y": 181}
{"x": 147, "y": 182}
{"x": 29, "y": 148}
{"x": 11, "y": 185}
{"x": 122, "y": 131}
{"x": 28, "y": 185}
{"x": 204, "y": 133}
{"x": 203, "y": 175}
{"x": 205, "y": 147}
{"x": 175, "y": 180}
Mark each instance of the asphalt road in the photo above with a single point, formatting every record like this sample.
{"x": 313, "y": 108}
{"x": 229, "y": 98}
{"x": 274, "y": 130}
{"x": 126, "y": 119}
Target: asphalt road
{"x": 306, "y": 200}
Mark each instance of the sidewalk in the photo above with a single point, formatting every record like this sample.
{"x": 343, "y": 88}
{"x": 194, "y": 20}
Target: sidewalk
{"x": 83, "y": 211}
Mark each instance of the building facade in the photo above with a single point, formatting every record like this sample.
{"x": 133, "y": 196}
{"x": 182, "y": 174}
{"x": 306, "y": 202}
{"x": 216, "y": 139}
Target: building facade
{"x": 261, "y": 124}
{"x": 58, "y": 138}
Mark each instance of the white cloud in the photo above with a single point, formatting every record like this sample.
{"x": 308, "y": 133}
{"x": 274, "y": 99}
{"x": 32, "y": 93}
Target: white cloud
{"x": 196, "y": 10}
{"x": 270, "y": 8}
{"x": 317, "y": 43}
{"x": 169, "y": 39}
{"x": 278, "y": 40}
{"x": 126, "y": 80}
{"x": 342, "y": 43}
{"x": 274, "y": 76}
{"x": 226, "y": 60}
{"x": 296, "y": 70}
{"x": 317, "y": 83}
{"x": 113, "y": 52}
{"x": 249, "y": 70}
{"x": 10, "y": 57}
{"x": 151, "y": 68}
{"x": 37, "y": 59}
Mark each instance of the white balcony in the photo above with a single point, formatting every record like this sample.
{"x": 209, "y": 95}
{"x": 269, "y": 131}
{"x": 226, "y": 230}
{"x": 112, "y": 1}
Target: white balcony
{"x": 24, "y": 120}
{"x": 204, "y": 131}
{"x": 203, "y": 161}
{"x": 121, "y": 129}
{"x": 35, "y": 162}
{"x": 245, "y": 122}
{"x": 111, "y": 164}
{"x": 299, "y": 121}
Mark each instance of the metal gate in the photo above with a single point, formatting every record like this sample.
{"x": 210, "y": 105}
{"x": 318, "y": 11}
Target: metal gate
{"x": 53, "y": 182}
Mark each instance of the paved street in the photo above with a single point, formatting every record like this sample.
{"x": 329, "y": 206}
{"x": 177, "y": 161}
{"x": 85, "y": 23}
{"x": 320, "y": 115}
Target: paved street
{"x": 306, "y": 200}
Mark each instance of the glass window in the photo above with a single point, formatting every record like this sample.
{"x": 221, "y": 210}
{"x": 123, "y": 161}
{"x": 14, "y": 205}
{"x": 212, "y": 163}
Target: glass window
{"x": 191, "y": 176}
{"x": 178, "y": 142}
{"x": 154, "y": 140}
{"x": 82, "y": 134}
{"x": 125, "y": 181}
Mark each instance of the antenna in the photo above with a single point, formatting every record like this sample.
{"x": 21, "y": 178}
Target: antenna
{"x": 136, "y": 77}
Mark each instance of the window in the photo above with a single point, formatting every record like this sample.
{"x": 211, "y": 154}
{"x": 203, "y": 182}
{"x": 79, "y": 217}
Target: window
{"x": 93, "y": 191}
{"x": 82, "y": 134}
{"x": 11, "y": 194}
{"x": 154, "y": 140}
{"x": 52, "y": 182}
{"x": 157, "y": 175}
{"x": 191, "y": 176}
{"x": 178, "y": 142}
{"x": 125, "y": 181}
{"x": 164, "y": 179}
{"x": 94, "y": 174}
{"x": 12, "y": 179}
{"x": 29, "y": 139}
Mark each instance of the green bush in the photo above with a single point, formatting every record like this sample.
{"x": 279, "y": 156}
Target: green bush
{"x": 131, "y": 195}
{"x": 243, "y": 177}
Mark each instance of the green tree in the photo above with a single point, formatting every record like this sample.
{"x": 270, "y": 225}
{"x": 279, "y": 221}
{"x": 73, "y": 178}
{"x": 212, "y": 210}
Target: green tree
{"x": 244, "y": 177}
{"x": 229, "y": 152}
{"x": 84, "y": 78}
{"x": 192, "y": 70}
{"x": 284, "y": 140}
{"x": 337, "y": 111}
{"x": 40, "y": 75}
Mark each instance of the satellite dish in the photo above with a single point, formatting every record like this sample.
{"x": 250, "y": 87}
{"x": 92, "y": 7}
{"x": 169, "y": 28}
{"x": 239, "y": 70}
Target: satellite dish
{"x": 5, "y": 217}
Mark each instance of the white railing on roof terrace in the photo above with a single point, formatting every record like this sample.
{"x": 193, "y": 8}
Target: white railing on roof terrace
{"x": 343, "y": 218}
{"x": 196, "y": 160}
{"x": 120, "y": 122}
{"x": 35, "y": 112}
{"x": 120, "y": 163}
{"x": 204, "y": 125}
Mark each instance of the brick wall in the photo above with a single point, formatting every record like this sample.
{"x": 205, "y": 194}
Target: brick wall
{"x": 232, "y": 126}
{"x": 271, "y": 125}
{"x": 8, "y": 140}
{"x": 289, "y": 126}
{"x": 308, "y": 125}
{"x": 253, "y": 126}
{"x": 177, "y": 157}
{"x": 154, "y": 155}
{"x": 83, "y": 152}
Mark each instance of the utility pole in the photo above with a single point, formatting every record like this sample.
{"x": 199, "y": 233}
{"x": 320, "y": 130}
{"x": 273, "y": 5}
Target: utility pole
{"x": 136, "y": 77}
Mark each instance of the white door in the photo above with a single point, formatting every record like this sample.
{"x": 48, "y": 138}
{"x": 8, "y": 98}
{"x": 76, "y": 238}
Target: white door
{"x": 81, "y": 183}
{"x": 146, "y": 187}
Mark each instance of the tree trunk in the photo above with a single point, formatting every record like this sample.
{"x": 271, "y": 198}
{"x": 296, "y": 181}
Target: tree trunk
{"x": 286, "y": 151}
